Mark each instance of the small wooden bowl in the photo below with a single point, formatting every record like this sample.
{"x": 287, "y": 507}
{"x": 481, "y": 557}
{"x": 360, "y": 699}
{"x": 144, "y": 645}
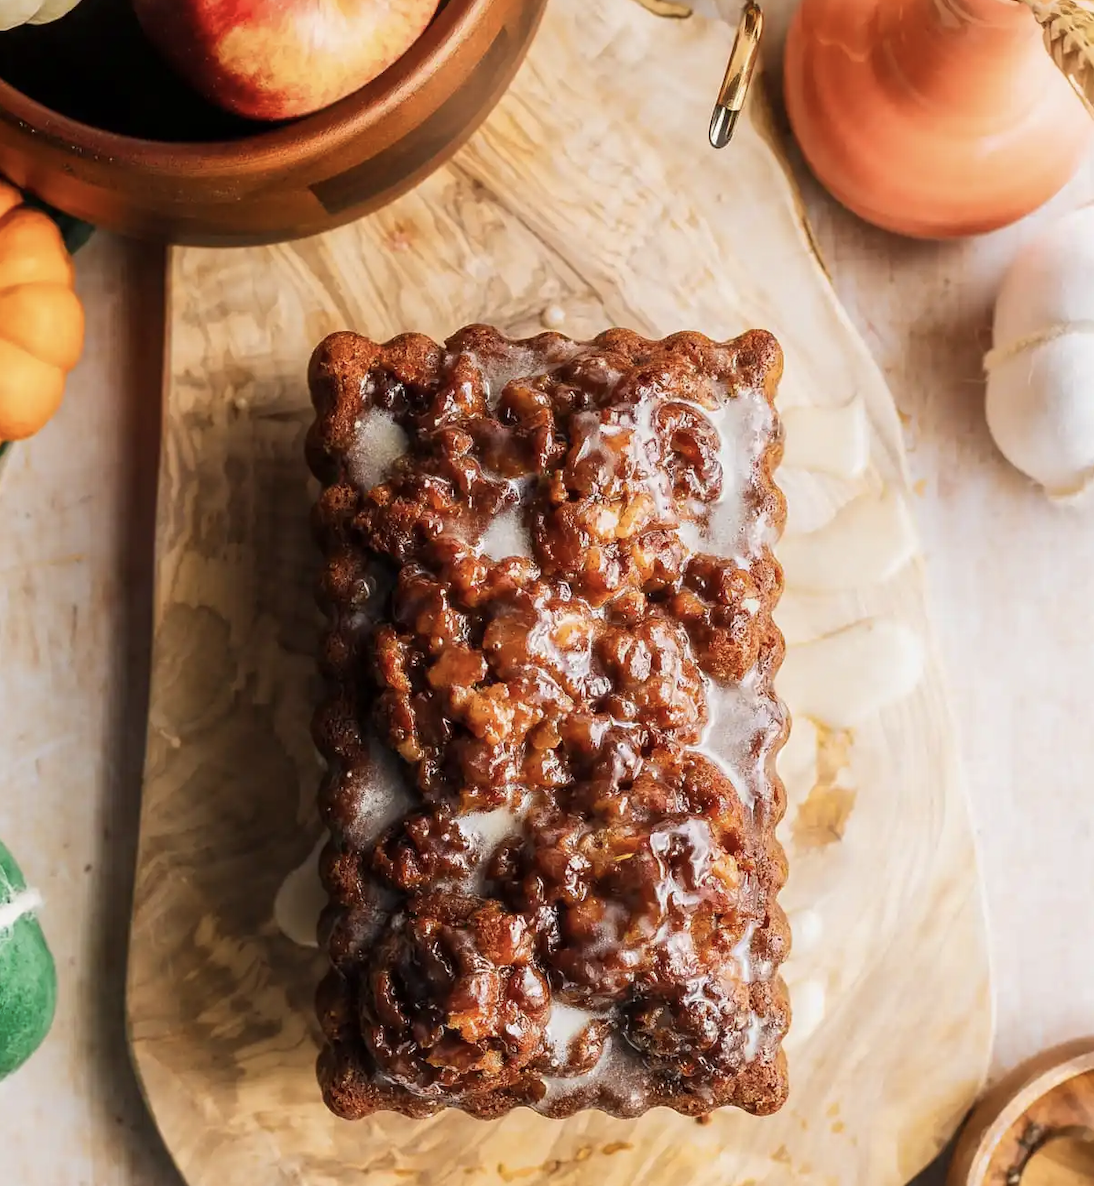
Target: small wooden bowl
{"x": 93, "y": 122}
{"x": 1050, "y": 1096}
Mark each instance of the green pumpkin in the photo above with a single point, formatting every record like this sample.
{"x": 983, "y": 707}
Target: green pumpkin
{"x": 28, "y": 977}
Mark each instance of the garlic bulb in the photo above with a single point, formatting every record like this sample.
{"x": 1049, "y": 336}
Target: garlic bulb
{"x": 33, "y": 12}
{"x": 1040, "y": 403}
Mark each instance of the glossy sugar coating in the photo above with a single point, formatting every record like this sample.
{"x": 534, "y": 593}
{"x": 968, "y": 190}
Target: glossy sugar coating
{"x": 549, "y": 725}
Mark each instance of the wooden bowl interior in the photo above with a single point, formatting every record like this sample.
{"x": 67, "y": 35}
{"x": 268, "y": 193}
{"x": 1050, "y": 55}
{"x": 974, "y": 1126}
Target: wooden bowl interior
{"x": 96, "y": 66}
{"x": 1051, "y": 1094}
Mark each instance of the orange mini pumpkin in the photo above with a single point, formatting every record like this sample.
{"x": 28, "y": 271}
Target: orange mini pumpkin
{"x": 932, "y": 118}
{"x": 41, "y": 318}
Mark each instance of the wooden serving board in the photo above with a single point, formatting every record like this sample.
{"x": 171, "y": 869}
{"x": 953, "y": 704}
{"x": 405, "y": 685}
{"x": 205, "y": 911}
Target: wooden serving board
{"x": 590, "y": 194}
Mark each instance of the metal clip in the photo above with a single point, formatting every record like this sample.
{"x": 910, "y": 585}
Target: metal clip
{"x": 742, "y": 63}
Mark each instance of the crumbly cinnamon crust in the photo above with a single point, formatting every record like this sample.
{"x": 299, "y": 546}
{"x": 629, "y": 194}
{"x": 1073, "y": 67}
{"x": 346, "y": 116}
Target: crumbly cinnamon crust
{"x": 549, "y": 724}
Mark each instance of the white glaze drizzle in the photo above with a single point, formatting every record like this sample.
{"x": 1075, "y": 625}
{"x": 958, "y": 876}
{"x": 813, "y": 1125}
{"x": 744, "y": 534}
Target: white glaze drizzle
{"x": 841, "y": 678}
{"x": 564, "y": 1024}
{"x": 517, "y": 362}
{"x": 867, "y": 541}
{"x": 731, "y": 527}
{"x": 742, "y": 953}
{"x": 797, "y": 760}
{"x": 736, "y": 713}
{"x": 808, "y": 1001}
{"x": 489, "y": 828}
{"x": 832, "y": 441}
{"x": 384, "y": 796}
{"x": 380, "y": 442}
{"x": 807, "y": 927}
{"x": 507, "y": 535}
{"x": 301, "y": 899}
{"x": 754, "y": 1033}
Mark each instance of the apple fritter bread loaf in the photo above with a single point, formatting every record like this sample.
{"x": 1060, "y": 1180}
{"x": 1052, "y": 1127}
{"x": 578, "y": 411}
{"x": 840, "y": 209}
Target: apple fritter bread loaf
{"x": 549, "y": 725}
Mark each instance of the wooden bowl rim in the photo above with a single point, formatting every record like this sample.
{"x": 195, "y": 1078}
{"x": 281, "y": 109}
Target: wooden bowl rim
{"x": 291, "y": 144}
{"x": 1009, "y": 1100}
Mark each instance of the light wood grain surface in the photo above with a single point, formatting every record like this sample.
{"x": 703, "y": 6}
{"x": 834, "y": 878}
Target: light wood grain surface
{"x": 77, "y": 528}
{"x": 221, "y": 1027}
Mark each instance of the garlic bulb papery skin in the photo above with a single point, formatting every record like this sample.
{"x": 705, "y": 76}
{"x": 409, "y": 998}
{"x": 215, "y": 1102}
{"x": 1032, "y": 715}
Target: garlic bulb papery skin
{"x": 1040, "y": 390}
{"x": 14, "y": 13}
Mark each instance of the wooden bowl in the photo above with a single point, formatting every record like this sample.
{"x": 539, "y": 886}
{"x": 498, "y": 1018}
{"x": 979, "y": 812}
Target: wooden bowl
{"x": 93, "y": 122}
{"x": 1049, "y": 1098}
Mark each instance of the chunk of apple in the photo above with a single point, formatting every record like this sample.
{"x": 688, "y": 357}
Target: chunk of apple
{"x": 276, "y": 59}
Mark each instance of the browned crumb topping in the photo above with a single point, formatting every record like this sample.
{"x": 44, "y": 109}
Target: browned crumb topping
{"x": 556, "y": 834}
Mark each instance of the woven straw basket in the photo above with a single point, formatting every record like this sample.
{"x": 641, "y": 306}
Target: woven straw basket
{"x": 1069, "y": 38}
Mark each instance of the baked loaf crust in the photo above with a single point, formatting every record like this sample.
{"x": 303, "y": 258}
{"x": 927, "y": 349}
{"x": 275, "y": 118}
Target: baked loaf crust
{"x": 549, "y": 727}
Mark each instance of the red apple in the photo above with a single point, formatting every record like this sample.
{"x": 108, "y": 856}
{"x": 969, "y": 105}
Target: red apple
{"x": 274, "y": 59}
